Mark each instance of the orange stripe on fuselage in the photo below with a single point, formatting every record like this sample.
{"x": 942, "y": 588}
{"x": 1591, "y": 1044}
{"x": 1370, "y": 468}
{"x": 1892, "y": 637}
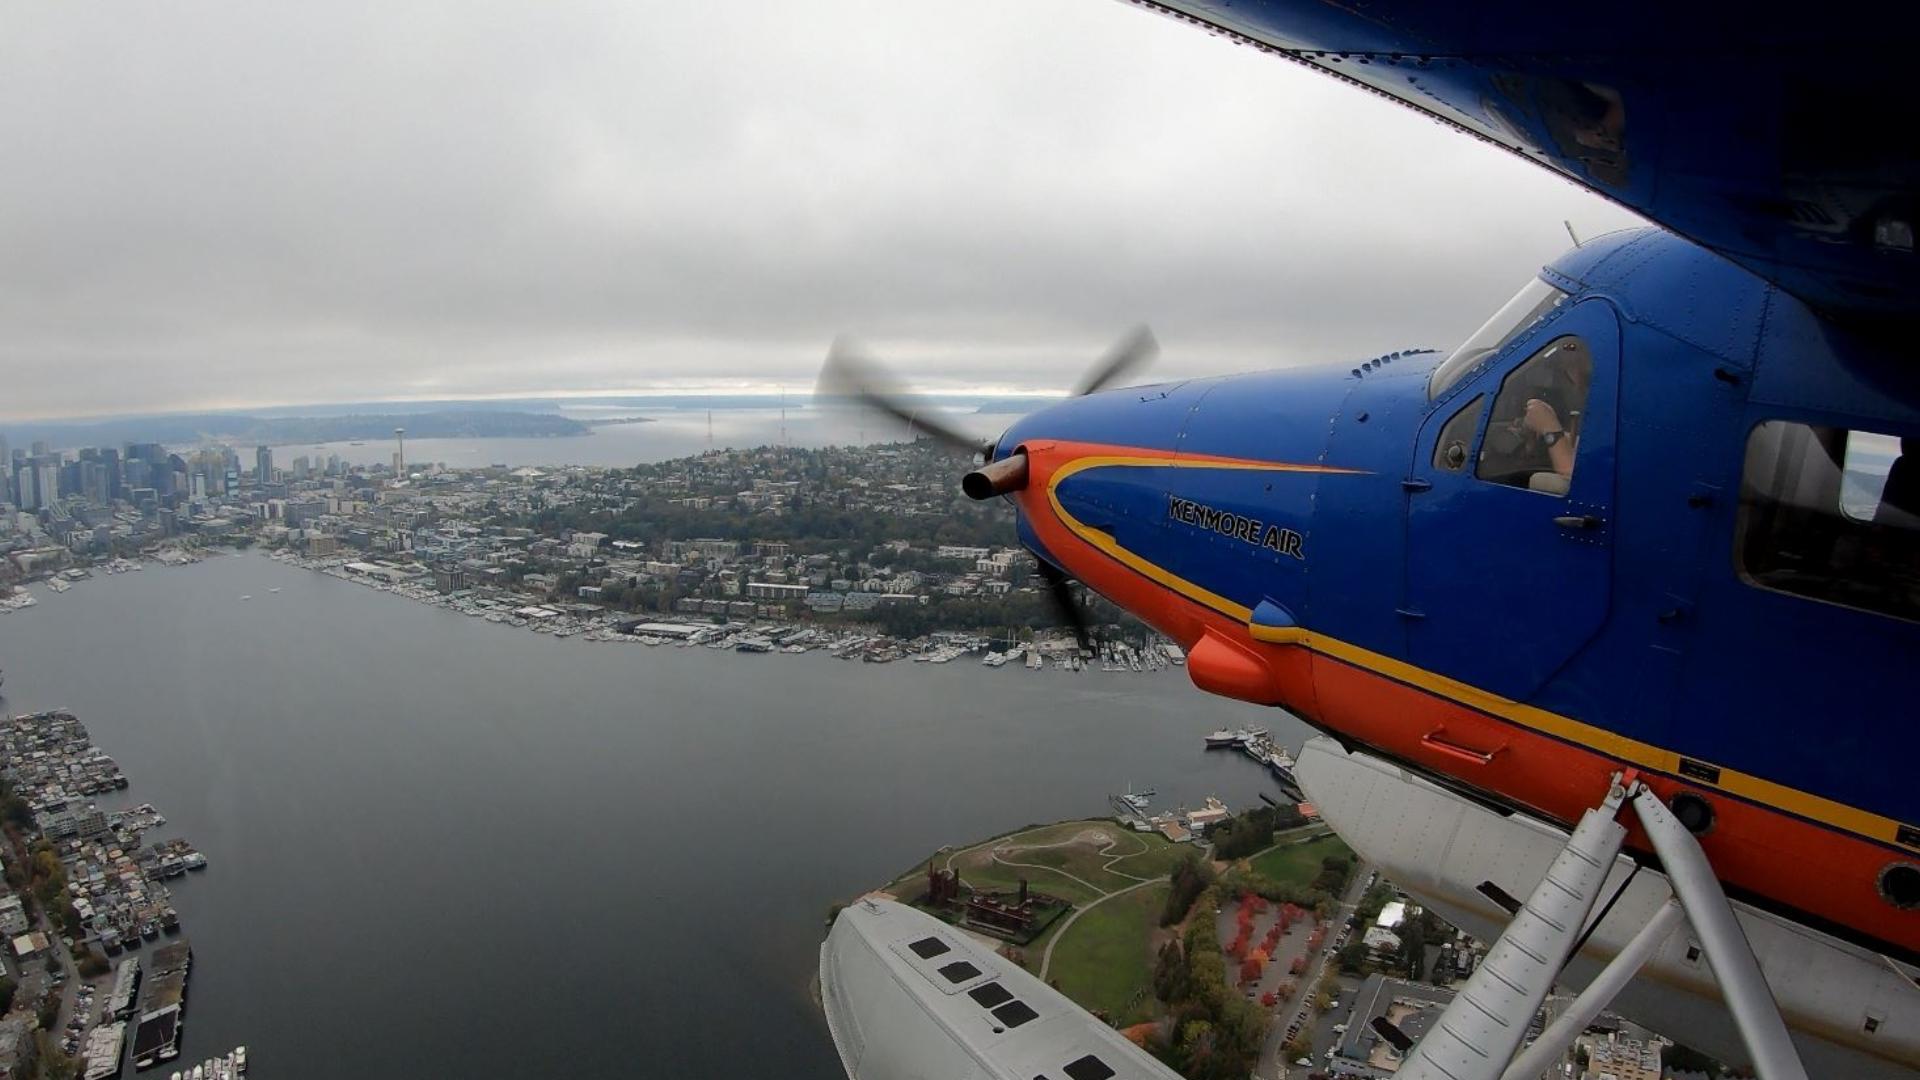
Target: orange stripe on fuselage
{"x": 1796, "y": 849}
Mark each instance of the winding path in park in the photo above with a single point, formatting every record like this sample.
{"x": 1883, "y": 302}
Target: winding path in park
{"x": 1046, "y": 958}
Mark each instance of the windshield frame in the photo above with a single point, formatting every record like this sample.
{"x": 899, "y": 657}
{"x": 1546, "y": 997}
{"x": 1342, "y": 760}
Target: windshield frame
{"x": 1533, "y": 304}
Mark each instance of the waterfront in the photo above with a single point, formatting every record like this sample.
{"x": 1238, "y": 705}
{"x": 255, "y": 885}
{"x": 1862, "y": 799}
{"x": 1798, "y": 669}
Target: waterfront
{"x": 441, "y": 847}
{"x": 670, "y": 433}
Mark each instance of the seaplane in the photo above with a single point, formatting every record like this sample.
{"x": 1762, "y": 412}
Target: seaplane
{"x": 1607, "y": 616}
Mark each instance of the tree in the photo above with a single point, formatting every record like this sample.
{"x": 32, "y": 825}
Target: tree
{"x": 1190, "y": 878}
{"x": 1375, "y": 899}
{"x": 1413, "y": 949}
{"x": 54, "y": 1062}
{"x": 1353, "y": 958}
{"x": 1297, "y": 1047}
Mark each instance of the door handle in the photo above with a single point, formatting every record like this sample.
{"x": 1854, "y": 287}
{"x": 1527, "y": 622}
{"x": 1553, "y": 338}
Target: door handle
{"x": 1578, "y": 521}
{"x": 1437, "y": 741}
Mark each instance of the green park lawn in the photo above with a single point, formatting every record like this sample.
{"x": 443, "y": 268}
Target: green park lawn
{"x": 1056, "y": 855}
{"x": 1104, "y": 960}
{"x": 1298, "y": 863}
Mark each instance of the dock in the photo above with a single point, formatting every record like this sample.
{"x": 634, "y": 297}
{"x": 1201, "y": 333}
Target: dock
{"x": 163, "y": 1005}
{"x": 102, "y": 1053}
{"x": 126, "y": 978}
{"x": 157, "y": 1039}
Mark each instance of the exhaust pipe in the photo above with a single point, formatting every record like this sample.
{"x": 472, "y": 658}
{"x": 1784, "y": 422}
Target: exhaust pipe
{"x": 1009, "y": 474}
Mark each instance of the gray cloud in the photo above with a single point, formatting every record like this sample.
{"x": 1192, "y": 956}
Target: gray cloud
{"x": 212, "y": 203}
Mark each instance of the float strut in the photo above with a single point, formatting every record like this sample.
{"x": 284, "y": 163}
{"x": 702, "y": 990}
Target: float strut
{"x": 1749, "y": 999}
{"x": 1480, "y": 1031}
{"x": 1544, "y": 1052}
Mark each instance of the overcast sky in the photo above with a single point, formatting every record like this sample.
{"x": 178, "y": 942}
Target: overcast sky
{"x": 213, "y": 204}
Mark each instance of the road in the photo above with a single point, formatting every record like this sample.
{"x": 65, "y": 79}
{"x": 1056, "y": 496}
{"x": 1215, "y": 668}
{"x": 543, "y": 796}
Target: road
{"x": 1274, "y": 1065}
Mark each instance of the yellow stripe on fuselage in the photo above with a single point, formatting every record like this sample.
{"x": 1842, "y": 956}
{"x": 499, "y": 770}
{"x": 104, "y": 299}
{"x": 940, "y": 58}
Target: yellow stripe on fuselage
{"x": 1613, "y": 744}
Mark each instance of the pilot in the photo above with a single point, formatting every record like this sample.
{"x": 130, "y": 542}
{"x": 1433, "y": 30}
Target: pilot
{"x": 1556, "y": 423}
{"x": 1900, "y": 499}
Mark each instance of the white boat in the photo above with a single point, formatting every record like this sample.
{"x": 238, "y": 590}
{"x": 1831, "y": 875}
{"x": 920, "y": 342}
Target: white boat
{"x": 276, "y": 588}
{"x": 1222, "y": 739}
{"x": 240, "y": 1058}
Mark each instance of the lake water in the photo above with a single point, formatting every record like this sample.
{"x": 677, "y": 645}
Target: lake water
{"x": 671, "y": 433}
{"x": 442, "y": 847}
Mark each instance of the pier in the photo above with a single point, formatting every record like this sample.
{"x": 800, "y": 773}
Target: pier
{"x": 157, "y": 1039}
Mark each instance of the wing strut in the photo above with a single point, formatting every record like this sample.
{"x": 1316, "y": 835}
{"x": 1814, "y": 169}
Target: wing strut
{"x": 1478, "y": 1035}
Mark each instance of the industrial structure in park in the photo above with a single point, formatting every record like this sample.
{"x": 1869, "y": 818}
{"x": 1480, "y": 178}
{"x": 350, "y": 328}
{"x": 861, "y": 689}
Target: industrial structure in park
{"x": 1018, "y": 916}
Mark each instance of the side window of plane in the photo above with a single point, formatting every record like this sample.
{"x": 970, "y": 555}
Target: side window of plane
{"x": 1533, "y": 435}
{"x": 1456, "y": 438}
{"x": 1832, "y": 515}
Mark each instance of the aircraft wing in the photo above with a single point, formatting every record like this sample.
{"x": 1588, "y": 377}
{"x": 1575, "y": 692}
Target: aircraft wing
{"x": 1785, "y": 137}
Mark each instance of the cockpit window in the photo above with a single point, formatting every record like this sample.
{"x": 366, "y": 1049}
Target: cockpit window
{"x": 1535, "y": 301}
{"x": 1455, "y": 445}
{"x": 1832, "y": 515}
{"x": 1533, "y": 435}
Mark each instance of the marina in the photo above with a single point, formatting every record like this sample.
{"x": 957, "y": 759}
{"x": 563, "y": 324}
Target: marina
{"x": 225, "y": 1067}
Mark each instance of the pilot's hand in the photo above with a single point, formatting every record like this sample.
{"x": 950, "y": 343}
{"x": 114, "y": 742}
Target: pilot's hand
{"x": 1541, "y": 418}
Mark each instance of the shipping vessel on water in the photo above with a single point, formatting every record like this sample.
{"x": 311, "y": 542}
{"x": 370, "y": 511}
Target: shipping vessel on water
{"x": 1257, "y": 743}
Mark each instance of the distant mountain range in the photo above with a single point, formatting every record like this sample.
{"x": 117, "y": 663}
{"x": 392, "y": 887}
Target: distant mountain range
{"x": 193, "y": 428}
{"x": 368, "y": 421}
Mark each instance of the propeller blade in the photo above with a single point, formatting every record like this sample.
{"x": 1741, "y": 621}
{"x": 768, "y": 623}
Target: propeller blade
{"x": 1066, "y": 605}
{"x": 849, "y": 374}
{"x": 1134, "y": 351}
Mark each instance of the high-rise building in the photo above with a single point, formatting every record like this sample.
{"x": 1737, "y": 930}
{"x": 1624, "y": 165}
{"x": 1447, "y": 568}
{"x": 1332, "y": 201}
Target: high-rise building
{"x": 46, "y": 481}
{"x": 262, "y": 466}
{"x": 176, "y": 472}
{"x": 110, "y": 462}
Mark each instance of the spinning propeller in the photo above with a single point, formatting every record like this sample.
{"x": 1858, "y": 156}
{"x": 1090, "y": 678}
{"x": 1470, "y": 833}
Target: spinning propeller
{"x": 851, "y": 374}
